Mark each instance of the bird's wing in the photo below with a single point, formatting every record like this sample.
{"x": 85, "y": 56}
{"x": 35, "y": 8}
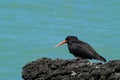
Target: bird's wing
{"x": 93, "y": 53}
{"x": 84, "y": 48}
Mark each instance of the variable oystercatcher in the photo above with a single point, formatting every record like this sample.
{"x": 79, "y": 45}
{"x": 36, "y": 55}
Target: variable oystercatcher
{"x": 81, "y": 49}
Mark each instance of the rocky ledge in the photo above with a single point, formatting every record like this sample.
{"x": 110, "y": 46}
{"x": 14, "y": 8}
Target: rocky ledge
{"x": 75, "y": 69}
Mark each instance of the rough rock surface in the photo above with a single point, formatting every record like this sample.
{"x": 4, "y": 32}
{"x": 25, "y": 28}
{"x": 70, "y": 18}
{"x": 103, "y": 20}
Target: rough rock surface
{"x": 75, "y": 69}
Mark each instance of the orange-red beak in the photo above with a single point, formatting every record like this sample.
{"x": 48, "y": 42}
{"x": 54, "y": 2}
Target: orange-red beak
{"x": 63, "y": 42}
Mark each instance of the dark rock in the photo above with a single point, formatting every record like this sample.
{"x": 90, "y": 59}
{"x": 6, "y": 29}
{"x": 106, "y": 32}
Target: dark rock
{"x": 75, "y": 69}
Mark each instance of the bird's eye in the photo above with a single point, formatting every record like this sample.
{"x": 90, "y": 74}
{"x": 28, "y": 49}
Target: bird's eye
{"x": 69, "y": 38}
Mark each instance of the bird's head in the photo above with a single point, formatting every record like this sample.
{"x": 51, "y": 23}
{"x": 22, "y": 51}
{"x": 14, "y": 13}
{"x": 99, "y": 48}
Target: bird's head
{"x": 68, "y": 39}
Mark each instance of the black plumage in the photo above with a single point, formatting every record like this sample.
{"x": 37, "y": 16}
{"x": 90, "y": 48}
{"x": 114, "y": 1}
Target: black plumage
{"x": 81, "y": 49}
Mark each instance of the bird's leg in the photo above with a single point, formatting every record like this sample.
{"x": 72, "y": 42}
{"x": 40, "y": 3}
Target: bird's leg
{"x": 90, "y": 63}
{"x": 78, "y": 58}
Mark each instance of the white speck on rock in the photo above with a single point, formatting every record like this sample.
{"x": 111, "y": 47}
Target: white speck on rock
{"x": 97, "y": 67}
{"x": 73, "y": 73}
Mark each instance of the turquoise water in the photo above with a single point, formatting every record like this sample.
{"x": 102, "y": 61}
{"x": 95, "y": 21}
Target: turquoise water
{"x": 29, "y": 30}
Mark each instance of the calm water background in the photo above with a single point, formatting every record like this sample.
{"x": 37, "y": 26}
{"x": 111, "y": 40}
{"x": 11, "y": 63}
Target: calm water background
{"x": 29, "y": 30}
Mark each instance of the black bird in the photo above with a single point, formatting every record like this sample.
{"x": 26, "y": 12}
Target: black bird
{"x": 81, "y": 49}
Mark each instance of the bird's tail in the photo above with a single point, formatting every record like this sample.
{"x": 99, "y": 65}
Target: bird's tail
{"x": 102, "y": 59}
